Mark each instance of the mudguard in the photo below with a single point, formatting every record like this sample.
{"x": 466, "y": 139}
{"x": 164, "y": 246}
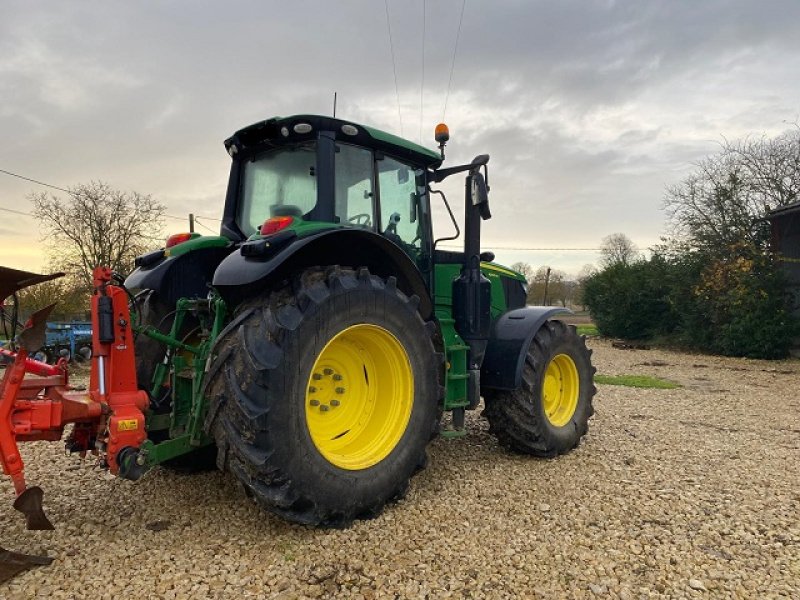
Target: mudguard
{"x": 186, "y": 275}
{"x": 256, "y": 263}
{"x": 509, "y": 340}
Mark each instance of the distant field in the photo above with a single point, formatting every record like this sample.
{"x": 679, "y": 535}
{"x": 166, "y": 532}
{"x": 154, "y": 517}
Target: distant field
{"x": 577, "y": 318}
{"x": 590, "y": 330}
{"x": 638, "y": 381}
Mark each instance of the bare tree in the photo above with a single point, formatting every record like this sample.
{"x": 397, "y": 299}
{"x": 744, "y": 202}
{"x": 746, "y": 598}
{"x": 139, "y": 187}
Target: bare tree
{"x": 618, "y": 249}
{"x": 546, "y": 285}
{"x": 524, "y": 269}
{"x": 723, "y": 202}
{"x": 70, "y": 302}
{"x": 586, "y": 271}
{"x": 97, "y": 225}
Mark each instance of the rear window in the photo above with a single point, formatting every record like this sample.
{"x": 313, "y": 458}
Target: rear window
{"x": 279, "y": 182}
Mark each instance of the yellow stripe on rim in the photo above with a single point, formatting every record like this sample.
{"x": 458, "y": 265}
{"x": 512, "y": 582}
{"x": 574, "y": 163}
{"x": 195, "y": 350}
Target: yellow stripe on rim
{"x": 560, "y": 390}
{"x": 359, "y": 397}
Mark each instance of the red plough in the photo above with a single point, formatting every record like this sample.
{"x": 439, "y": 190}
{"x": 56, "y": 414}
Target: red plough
{"x": 37, "y": 403}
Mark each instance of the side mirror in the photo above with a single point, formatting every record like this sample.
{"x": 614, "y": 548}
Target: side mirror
{"x": 413, "y": 200}
{"x": 479, "y": 195}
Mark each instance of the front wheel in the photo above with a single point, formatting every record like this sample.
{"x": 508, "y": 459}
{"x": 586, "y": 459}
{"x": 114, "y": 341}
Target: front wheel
{"x": 549, "y": 414}
{"x": 323, "y": 395}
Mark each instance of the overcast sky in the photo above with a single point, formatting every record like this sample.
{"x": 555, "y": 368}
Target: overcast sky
{"x": 588, "y": 109}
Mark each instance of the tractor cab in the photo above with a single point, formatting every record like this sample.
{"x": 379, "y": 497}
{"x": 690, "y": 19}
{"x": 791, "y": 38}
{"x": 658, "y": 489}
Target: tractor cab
{"x": 310, "y": 173}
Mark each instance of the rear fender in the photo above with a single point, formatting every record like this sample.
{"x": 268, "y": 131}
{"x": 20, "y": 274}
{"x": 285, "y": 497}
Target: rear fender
{"x": 511, "y": 335}
{"x": 186, "y": 275}
{"x": 239, "y": 276}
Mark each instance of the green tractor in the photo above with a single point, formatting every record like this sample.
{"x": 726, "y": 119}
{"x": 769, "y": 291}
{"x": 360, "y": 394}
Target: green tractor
{"x": 312, "y": 347}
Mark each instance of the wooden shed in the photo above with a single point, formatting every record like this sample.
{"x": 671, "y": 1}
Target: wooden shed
{"x": 786, "y": 243}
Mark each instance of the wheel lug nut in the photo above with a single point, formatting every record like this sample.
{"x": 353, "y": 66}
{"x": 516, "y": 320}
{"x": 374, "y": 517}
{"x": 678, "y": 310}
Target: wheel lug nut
{"x": 337, "y": 377}
{"x": 314, "y": 403}
{"x": 316, "y": 376}
{"x": 335, "y": 402}
{"x": 327, "y": 371}
{"x": 312, "y": 389}
{"x": 324, "y": 408}
{"x": 340, "y": 390}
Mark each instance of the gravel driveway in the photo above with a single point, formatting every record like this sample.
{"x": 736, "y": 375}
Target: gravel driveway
{"x": 679, "y": 493}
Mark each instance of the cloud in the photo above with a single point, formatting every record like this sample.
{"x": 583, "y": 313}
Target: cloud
{"x": 589, "y": 109}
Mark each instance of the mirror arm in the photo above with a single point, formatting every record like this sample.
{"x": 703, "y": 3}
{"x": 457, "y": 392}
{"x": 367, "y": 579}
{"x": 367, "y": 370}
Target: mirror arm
{"x": 440, "y": 175}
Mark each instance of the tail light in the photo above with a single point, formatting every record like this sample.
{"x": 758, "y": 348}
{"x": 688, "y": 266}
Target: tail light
{"x": 275, "y": 224}
{"x": 179, "y": 238}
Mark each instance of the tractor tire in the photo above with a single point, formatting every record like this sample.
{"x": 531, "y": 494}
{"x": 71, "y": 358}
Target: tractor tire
{"x": 149, "y": 353}
{"x": 84, "y": 354}
{"x": 63, "y": 353}
{"x": 323, "y": 395}
{"x": 43, "y": 356}
{"x": 549, "y": 414}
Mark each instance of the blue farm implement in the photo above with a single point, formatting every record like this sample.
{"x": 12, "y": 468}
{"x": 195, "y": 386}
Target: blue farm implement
{"x": 71, "y": 340}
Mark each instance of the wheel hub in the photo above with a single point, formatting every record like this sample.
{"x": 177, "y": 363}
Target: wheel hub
{"x": 359, "y": 396}
{"x": 560, "y": 390}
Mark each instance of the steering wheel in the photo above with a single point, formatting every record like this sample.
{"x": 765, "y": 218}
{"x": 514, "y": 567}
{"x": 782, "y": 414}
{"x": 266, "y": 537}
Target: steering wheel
{"x": 364, "y": 219}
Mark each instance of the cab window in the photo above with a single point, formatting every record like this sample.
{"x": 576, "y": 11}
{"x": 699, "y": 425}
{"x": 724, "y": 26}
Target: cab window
{"x": 402, "y": 218}
{"x": 354, "y": 197}
{"x": 279, "y": 182}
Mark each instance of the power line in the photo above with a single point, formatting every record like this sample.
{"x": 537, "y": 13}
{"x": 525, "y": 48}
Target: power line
{"x": 210, "y": 218}
{"x": 18, "y": 176}
{"x": 493, "y": 247}
{"x": 27, "y": 214}
{"x": 453, "y": 64}
{"x": 16, "y": 212}
{"x": 61, "y": 189}
{"x": 204, "y": 226}
{"x": 485, "y": 244}
{"x": 197, "y": 217}
{"x": 422, "y": 80}
{"x": 394, "y": 65}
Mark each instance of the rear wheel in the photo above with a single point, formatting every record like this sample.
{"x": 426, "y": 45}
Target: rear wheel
{"x": 549, "y": 414}
{"x": 323, "y": 396}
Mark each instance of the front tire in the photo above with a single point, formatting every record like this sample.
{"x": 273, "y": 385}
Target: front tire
{"x": 549, "y": 414}
{"x": 323, "y": 395}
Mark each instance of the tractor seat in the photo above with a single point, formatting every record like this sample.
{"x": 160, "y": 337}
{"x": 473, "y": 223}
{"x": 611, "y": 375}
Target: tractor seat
{"x": 286, "y": 210}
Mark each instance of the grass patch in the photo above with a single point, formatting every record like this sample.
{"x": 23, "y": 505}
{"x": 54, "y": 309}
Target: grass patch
{"x": 638, "y": 381}
{"x": 587, "y": 330}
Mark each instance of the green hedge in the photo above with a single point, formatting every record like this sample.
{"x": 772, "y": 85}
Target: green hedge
{"x": 732, "y": 304}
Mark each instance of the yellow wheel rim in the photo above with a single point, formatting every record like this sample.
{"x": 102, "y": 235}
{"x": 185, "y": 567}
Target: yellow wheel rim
{"x": 560, "y": 390}
{"x": 359, "y": 397}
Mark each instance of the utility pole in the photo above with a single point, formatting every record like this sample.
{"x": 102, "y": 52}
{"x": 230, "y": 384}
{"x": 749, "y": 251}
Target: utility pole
{"x": 546, "y": 283}
{"x": 191, "y": 223}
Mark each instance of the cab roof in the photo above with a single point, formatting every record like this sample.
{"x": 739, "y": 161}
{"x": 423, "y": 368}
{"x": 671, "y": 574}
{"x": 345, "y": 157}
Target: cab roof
{"x": 279, "y": 130}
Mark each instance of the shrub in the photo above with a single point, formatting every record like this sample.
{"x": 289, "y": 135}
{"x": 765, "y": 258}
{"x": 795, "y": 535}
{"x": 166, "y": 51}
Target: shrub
{"x": 630, "y": 300}
{"x": 732, "y": 304}
{"x": 743, "y": 297}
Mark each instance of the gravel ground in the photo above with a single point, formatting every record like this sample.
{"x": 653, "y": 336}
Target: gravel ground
{"x": 683, "y": 493}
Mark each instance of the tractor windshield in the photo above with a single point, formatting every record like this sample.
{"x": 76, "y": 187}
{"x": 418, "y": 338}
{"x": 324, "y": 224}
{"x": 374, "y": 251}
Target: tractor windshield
{"x": 279, "y": 182}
